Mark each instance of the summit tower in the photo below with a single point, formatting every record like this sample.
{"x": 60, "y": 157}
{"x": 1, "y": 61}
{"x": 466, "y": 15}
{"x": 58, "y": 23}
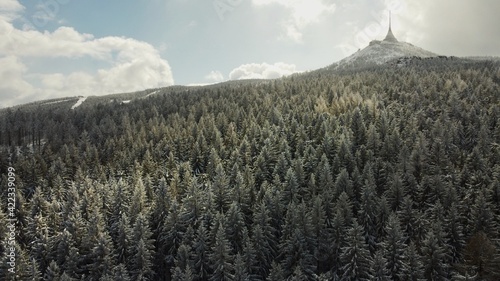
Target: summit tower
{"x": 390, "y": 37}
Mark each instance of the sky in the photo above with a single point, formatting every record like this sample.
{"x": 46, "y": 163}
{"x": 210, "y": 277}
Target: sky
{"x": 66, "y": 48}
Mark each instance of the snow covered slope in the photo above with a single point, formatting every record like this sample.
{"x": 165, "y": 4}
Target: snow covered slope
{"x": 381, "y": 52}
{"x": 79, "y": 102}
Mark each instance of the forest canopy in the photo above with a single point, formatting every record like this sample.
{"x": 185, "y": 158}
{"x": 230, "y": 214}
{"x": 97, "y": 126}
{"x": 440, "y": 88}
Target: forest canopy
{"x": 388, "y": 173}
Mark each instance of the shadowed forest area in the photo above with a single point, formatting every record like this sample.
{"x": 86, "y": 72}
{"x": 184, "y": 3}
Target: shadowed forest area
{"x": 388, "y": 173}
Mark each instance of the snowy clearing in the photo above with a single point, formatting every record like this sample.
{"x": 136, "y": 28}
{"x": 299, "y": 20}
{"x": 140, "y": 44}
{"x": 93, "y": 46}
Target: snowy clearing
{"x": 151, "y": 94}
{"x": 79, "y": 102}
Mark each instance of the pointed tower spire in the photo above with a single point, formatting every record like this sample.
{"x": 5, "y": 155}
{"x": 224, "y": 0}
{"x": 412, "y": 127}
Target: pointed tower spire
{"x": 390, "y": 37}
{"x": 390, "y": 17}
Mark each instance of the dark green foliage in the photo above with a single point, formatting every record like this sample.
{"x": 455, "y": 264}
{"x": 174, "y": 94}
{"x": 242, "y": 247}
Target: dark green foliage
{"x": 201, "y": 267}
{"x": 379, "y": 268}
{"x": 394, "y": 246}
{"x": 434, "y": 255}
{"x": 220, "y": 258}
{"x": 412, "y": 267}
{"x": 390, "y": 173}
{"x": 356, "y": 256}
{"x": 142, "y": 250}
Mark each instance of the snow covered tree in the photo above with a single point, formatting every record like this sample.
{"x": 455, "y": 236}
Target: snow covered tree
{"x": 142, "y": 250}
{"x": 236, "y": 229}
{"x": 200, "y": 260}
{"x": 379, "y": 268}
{"x": 368, "y": 210}
{"x": 355, "y": 256}
{"x": 240, "y": 271}
{"x": 220, "y": 189}
{"x": 434, "y": 255}
{"x": 412, "y": 269}
{"x": 220, "y": 257}
{"x": 394, "y": 246}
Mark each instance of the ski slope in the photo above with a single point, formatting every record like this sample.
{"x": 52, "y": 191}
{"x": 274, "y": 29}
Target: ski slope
{"x": 79, "y": 102}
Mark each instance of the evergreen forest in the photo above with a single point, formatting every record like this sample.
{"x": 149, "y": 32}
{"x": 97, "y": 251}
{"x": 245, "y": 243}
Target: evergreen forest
{"x": 386, "y": 173}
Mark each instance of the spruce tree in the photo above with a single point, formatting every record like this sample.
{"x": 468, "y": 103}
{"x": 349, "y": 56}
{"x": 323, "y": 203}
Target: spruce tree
{"x": 379, "y": 268}
{"x": 142, "y": 251}
{"x": 434, "y": 255}
{"x": 368, "y": 210}
{"x": 220, "y": 189}
{"x": 412, "y": 269}
{"x": 220, "y": 257}
{"x": 240, "y": 271}
{"x": 236, "y": 228}
{"x": 394, "y": 246}
{"x": 52, "y": 273}
{"x": 101, "y": 258}
{"x": 355, "y": 256}
{"x": 200, "y": 260}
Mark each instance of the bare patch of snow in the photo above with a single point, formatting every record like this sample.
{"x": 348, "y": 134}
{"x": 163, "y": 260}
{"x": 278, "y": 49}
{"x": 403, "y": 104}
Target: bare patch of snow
{"x": 151, "y": 94}
{"x": 79, "y": 102}
{"x": 59, "y": 101}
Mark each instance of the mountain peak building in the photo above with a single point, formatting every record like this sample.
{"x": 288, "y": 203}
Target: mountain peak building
{"x": 379, "y": 52}
{"x": 390, "y": 37}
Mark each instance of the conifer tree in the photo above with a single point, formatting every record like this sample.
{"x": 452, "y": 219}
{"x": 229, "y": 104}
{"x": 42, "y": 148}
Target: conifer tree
{"x": 454, "y": 232}
{"x": 379, "y": 268}
{"x": 138, "y": 201}
{"x": 291, "y": 192}
{"x": 101, "y": 258}
{"x": 192, "y": 203}
{"x": 319, "y": 235}
{"x": 343, "y": 184}
{"x": 142, "y": 251}
{"x": 325, "y": 178}
{"x": 276, "y": 272}
{"x": 220, "y": 189}
{"x": 52, "y": 273}
{"x": 434, "y": 255}
{"x": 120, "y": 273}
{"x": 481, "y": 216}
{"x": 241, "y": 195}
{"x": 240, "y": 271}
{"x": 121, "y": 235}
{"x": 200, "y": 260}
{"x": 182, "y": 260}
{"x": 395, "y": 193}
{"x": 412, "y": 269}
{"x": 394, "y": 247}
{"x": 236, "y": 229}
{"x": 220, "y": 257}
{"x": 170, "y": 239}
{"x": 368, "y": 210}
{"x": 355, "y": 256}
{"x": 358, "y": 128}
{"x": 263, "y": 250}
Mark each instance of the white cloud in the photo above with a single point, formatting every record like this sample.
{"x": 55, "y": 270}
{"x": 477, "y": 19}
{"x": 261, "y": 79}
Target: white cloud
{"x": 301, "y": 14}
{"x": 9, "y": 9}
{"x": 12, "y": 83}
{"x": 125, "y": 64}
{"x": 262, "y": 71}
{"x": 214, "y": 76}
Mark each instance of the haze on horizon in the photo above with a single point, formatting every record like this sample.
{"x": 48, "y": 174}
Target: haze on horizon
{"x": 59, "y": 48}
